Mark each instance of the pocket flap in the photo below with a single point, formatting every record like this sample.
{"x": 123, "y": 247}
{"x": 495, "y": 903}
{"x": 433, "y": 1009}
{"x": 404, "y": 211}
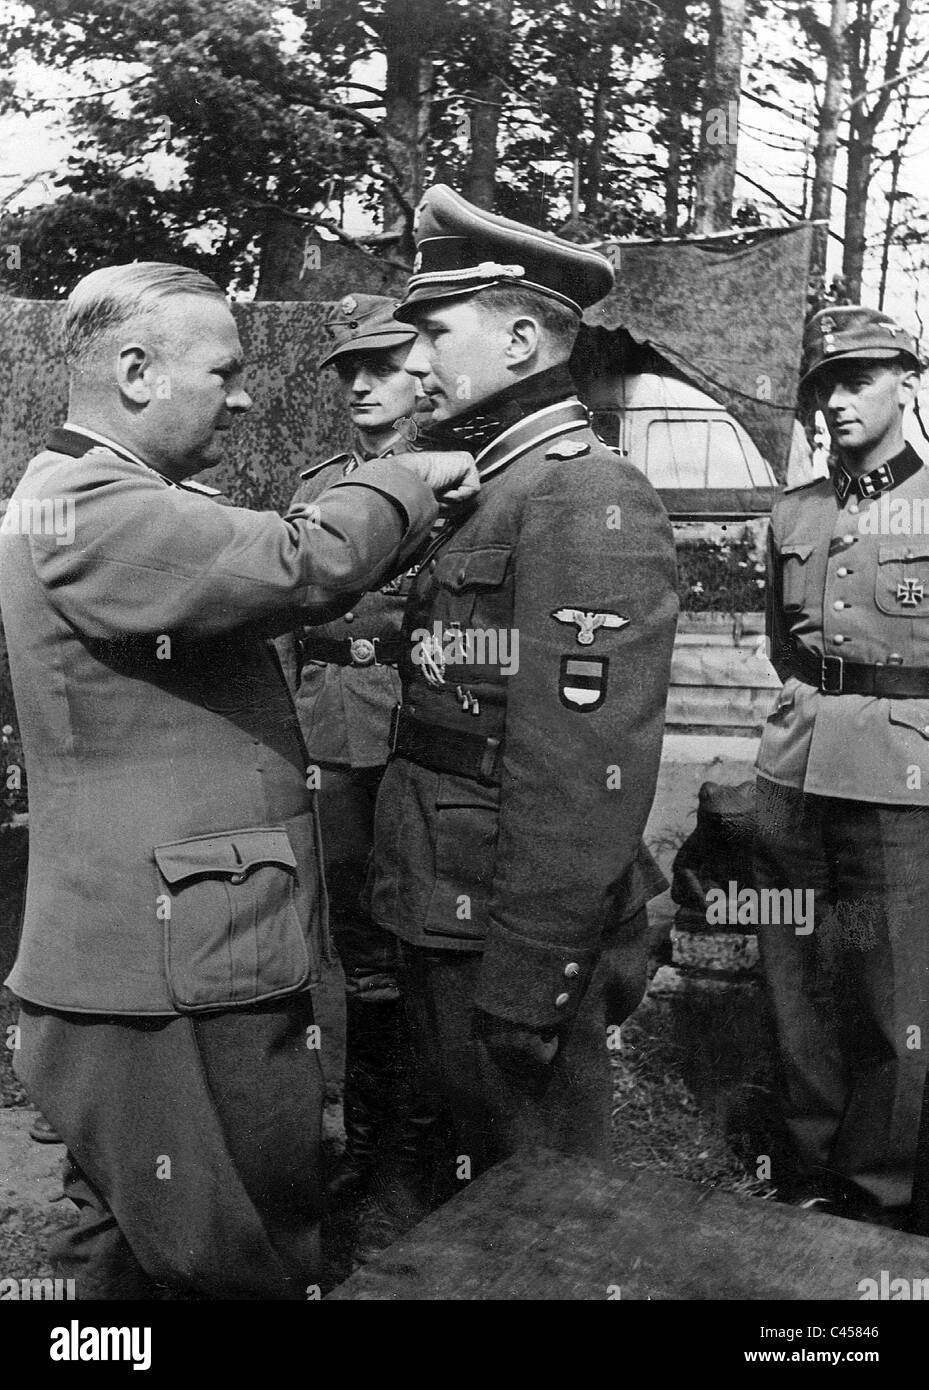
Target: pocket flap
{"x": 798, "y": 550}
{"x": 232, "y": 852}
{"x": 475, "y": 569}
{"x": 913, "y": 713}
{"x": 914, "y": 550}
{"x": 785, "y": 698}
{"x": 465, "y": 791}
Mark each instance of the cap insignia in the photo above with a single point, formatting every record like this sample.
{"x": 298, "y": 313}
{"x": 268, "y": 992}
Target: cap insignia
{"x": 494, "y": 268}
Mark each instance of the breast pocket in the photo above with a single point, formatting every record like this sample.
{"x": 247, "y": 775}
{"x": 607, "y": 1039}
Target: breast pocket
{"x": 467, "y": 816}
{"x": 477, "y": 587}
{"x": 234, "y": 932}
{"x": 795, "y": 572}
{"x": 902, "y": 583}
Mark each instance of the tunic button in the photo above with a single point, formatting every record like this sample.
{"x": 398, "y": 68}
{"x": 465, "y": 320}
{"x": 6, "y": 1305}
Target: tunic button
{"x": 848, "y": 538}
{"x": 561, "y": 1000}
{"x": 841, "y": 571}
{"x": 349, "y": 617}
{"x": 838, "y": 639}
{"x": 572, "y": 969}
{"x": 237, "y": 878}
{"x": 838, "y": 603}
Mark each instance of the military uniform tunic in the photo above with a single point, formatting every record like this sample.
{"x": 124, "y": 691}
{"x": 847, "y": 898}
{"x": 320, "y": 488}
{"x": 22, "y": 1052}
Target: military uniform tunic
{"x": 345, "y": 710}
{"x": 554, "y": 606}
{"x": 851, "y": 581}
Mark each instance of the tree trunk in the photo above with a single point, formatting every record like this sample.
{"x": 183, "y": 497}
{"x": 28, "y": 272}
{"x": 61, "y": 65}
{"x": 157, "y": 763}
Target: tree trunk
{"x": 863, "y": 125}
{"x": 720, "y": 122}
{"x": 827, "y": 138}
{"x": 896, "y": 160}
{"x": 860, "y": 156}
{"x": 672, "y": 98}
{"x": 408, "y": 31}
{"x": 291, "y": 257}
{"x": 484, "y": 108}
{"x": 599, "y": 130}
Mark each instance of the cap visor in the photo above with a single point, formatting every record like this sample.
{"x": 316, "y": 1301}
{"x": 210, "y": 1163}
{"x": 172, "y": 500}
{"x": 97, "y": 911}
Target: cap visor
{"x": 855, "y": 354}
{"x": 375, "y": 342}
{"x": 426, "y": 294}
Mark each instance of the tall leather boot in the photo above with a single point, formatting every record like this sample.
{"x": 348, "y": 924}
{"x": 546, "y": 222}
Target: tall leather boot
{"x": 369, "y": 1080}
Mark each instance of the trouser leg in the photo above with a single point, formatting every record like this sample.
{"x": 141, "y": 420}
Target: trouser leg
{"x": 847, "y": 997}
{"x": 789, "y": 853}
{"x": 198, "y": 1137}
{"x": 884, "y": 945}
{"x": 95, "y": 1253}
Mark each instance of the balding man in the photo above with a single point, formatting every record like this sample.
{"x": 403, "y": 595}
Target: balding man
{"x": 175, "y": 912}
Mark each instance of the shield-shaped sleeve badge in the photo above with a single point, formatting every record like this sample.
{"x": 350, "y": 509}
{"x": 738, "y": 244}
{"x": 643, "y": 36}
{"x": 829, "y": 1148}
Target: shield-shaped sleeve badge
{"x": 582, "y": 683}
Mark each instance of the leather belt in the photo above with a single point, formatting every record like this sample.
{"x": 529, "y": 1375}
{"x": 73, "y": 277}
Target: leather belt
{"x": 445, "y": 750}
{"x": 352, "y": 651}
{"x": 833, "y": 675}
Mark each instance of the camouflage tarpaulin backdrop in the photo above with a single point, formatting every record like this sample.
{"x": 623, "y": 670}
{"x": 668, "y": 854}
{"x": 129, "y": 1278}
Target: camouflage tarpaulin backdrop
{"x": 729, "y": 318}
{"x": 295, "y": 419}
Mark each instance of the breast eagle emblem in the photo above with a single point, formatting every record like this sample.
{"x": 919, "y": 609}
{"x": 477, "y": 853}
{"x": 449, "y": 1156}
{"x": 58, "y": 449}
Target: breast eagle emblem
{"x": 588, "y": 623}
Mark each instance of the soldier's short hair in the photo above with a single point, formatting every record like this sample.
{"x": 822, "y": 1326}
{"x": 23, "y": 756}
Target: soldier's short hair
{"x": 110, "y": 298}
{"x": 557, "y": 320}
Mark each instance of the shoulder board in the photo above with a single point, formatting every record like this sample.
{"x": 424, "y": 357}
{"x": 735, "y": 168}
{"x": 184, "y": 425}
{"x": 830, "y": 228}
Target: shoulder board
{"x": 190, "y": 486}
{"x": 567, "y": 449}
{"x": 810, "y": 482}
{"x": 318, "y": 467}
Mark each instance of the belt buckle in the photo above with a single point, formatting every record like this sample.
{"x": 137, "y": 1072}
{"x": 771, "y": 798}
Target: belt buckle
{"x": 363, "y": 651}
{"x": 831, "y": 674}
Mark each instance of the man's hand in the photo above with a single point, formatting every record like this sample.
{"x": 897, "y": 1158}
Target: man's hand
{"x": 451, "y": 474}
{"x": 516, "y": 1048}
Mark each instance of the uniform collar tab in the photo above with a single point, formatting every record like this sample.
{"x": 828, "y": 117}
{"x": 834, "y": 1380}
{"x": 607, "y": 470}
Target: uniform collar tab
{"x": 881, "y": 479}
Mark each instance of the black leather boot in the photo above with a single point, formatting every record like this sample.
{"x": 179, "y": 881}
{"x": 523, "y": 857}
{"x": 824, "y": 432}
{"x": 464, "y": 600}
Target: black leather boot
{"x": 369, "y": 1079}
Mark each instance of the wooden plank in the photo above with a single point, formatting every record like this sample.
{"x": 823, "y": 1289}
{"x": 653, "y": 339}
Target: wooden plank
{"x": 714, "y": 622}
{"x": 546, "y": 1227}
{"x": 728, "y": 705}
{"x": 709, "y": 665}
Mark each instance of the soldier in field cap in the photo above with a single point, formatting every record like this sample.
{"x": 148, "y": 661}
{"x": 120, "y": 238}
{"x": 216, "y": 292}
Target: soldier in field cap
{"x": 534, "y": 663}
{"x": 345, "y": 676}
{"x": 843, "y": 809}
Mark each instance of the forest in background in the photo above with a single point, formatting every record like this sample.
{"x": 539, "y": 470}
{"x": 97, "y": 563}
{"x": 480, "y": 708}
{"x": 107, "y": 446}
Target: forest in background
{"x": 264, "y": 143}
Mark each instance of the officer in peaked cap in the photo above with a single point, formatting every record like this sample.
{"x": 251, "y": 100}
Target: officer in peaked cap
{"x": 843, "y": 810}
{"x": 534, "y": 663}
{"x": 345, "y": 676}
{"x": 461, "y": 249}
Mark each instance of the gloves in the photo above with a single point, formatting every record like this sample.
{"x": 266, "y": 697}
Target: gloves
{"x": 518, "y": 1049}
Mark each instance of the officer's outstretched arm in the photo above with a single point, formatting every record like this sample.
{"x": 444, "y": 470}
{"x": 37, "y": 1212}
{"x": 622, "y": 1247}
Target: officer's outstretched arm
{"x": 148, "y": 559}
